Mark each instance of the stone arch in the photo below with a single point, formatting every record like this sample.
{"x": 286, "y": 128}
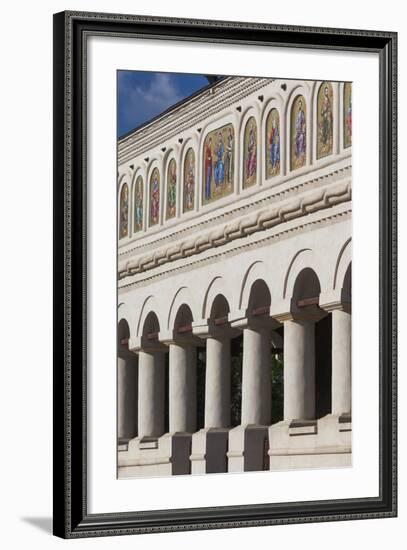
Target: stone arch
{"x": 304, "y": 258}
{"x": 306, "y": 285}
{"x": 138, "y": 202}
{"x": 220, "y": 307}
{"x": 276, "y": 101}
{"x": 171, "y": 186}
{"x": 347, "y": 284}
{"x": 272, "y": 132}
{"x": 155, "y": 194}
{"x": 124, "y": 314}
{"x": 150, "y": 304}
{"x": 260, "y": 296}
{"x": 217, "y": 286}
{"x": 257, "y": 271}
{"x": 182, "y": 296}
{"x": 123, "y": 331}
{"x": 153, "y": 163}
{"x": 188, "y": 179}
{"x": 296, "y": 92}
{"x": 189, "y": 141}
{"x": 124, "y": 210}
{"x": 151, "y": 324}
{"x": 342, "y": 264}
{"x": 183, "y": 319}
{"x": 224, "y": 130}
{"x": 226, "y": 118}
{"x": 138, "y": 172}
{"x": 325, "y": 110}
{"x": 125, "y": 175}
{"x": 250, "y": 140}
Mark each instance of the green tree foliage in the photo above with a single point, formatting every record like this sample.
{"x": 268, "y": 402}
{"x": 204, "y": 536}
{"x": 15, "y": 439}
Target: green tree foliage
{"x": 277, "y": 380}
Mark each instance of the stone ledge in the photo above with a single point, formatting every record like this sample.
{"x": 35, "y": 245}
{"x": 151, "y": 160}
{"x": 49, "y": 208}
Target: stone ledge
{"x": 307, "y": 451}
{"x": 265, "y": 218}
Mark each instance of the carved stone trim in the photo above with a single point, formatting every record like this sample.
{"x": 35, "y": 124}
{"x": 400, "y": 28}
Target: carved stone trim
{"x": 187, "y": 115}
{"x": 264, "y": 218}
{"x": 281, "y": 192}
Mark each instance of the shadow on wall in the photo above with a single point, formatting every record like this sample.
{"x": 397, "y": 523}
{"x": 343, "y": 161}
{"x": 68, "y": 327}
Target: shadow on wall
{"x": 42, "y": 523}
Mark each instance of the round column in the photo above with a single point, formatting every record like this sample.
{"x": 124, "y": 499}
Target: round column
{"x": 341, "y": 362}
{"x": 256, "y": 377}
{"x": 299, "y": 370}
{"x": 151, "y": 393}
{"x": 182, "y": 388}
{"x": 127, "y": 375}
{"x": 217, "y": 383}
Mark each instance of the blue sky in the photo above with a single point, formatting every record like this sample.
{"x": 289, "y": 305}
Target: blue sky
{"x": 143, "y": 95}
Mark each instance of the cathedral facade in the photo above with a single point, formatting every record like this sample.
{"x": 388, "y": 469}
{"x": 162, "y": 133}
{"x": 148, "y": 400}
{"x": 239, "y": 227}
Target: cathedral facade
{"x": 234, "y": 281}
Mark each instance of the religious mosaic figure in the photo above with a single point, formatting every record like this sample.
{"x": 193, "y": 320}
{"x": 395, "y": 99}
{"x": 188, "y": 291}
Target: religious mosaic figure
{"x": 138, "y": 205}
{"x": 171, "y": 189}
{"x": 325, "y": 120}
{"x": 347, "y": 114}
{"x": 218, "y": 163}
{"x": 154, "y": 197}
{"x": 250, "y": 153}
{"x": 229, "y": 156}
{"x": 124, "y": 212}
{"x": 208, "y": 169}
{"x": 189, "y": 181}
{"x": 272, "y": 144}
{"x": 298, "y": 133}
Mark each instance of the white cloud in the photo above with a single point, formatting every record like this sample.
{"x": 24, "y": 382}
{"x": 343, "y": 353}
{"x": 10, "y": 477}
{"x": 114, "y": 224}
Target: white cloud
{"x": 145, "y": 102}
{"x": 162, "y": 91}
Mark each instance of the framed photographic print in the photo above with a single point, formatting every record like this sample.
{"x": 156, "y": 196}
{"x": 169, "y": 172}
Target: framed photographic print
{"x": 225, "y": 274}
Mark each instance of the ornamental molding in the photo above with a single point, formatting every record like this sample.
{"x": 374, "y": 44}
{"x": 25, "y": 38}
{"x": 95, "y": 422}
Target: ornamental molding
{"x": 238, "y": 207}
{"x": 340, "y": 213}
{"x": 187, "y": 115}
{"x": 261, "y": 220}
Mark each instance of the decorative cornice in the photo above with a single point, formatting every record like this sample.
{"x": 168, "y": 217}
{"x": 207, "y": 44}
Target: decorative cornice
{"x": 285, "y": 231}
{"x": 188, "y": 115}
{"x": 237, "y": 208}
{"x": 260, "y": 220}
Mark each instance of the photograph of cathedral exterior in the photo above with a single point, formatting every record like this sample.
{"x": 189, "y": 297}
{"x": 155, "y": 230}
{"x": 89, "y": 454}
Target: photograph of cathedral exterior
{"x": 234, "y": 224}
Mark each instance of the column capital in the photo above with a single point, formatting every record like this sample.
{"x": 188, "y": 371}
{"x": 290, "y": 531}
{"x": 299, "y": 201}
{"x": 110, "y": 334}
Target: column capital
{"x": 123, "y": 352}
{"x": 144, "y": 343}
{"x": 336, "y": 299}
{"x": 207, "y": 328}
{"x": 292, "y": 310}
{"x": 180, "y": 339}
{"x": 242, "y": 319}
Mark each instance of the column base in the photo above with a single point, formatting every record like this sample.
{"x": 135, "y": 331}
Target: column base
{"x": 248, "y": 448}
{"x": 303, "y": 444}
{"x": 209, "y": 451}
{"x": 155, "y": 457}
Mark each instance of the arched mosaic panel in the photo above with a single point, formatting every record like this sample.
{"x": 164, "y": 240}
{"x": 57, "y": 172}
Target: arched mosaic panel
{"x": 250, "y": 153}
{"x": 154, "y": 216}
{"x": 347, "y": 114}
{"x": 138, "y": 204}
{"x": 124, "y": 212}
{"x": 189, "y": 181}
{"x": 171, "y": 190}
{"x": 218, "y": 163}
{"x": 325, "y": 119}
{"x": 298, "y": 133}
{"x": 273, "y": 144}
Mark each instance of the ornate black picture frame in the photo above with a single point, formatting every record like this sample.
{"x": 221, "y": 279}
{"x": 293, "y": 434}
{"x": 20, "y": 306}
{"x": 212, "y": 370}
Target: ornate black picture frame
{"x": 71, "y": 517}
